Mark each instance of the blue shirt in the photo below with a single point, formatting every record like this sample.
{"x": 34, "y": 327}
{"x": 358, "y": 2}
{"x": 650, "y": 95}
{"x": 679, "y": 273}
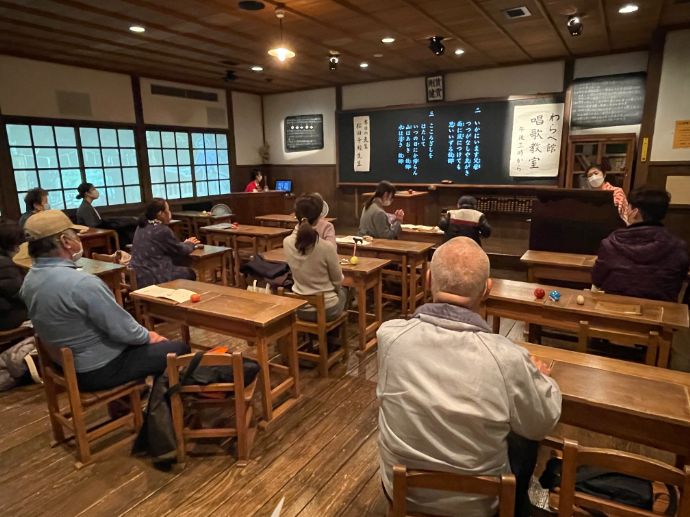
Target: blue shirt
{"x": 70, "y": 308}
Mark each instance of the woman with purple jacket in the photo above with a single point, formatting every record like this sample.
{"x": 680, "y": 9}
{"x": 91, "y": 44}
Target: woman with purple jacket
{"x": 643, "y": 260}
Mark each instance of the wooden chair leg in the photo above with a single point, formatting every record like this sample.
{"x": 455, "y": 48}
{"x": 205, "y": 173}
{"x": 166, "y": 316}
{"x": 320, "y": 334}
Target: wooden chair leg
{"x": 241, "y": 411}
{"x": 178, "y": 426}
{"x": 323, "y": 352}
{"x": 343, "y": 340}
{"x": 135, "y": 406}
{"x": 53, "y": 409}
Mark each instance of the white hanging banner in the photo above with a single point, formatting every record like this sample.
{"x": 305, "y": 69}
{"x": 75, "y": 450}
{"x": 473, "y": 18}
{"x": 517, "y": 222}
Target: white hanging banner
{"x": 535, "y": 150}
{"x": 362, "y": 143}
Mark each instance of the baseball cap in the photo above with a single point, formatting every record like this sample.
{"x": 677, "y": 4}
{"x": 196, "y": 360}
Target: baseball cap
{"x": 48, "y": 223}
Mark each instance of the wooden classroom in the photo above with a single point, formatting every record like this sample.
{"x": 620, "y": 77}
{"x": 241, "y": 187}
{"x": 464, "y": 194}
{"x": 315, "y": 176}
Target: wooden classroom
{"x": 510, "y": 102}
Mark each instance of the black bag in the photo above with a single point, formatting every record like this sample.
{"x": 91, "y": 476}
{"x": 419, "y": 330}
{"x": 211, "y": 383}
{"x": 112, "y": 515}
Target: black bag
{"x": 195, "y": 374}
{"x": 624, "y": 489}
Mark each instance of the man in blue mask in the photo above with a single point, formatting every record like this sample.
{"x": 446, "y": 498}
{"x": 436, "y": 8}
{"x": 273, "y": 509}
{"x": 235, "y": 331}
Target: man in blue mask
{"x": 71, "y": 308}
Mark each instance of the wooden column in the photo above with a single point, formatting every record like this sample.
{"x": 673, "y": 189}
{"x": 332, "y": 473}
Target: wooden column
{"x": 8, "y": 188}
{"x": 140, "y": 141}
{"x": 568, "y": 74}
{"x": 232, "y": 148}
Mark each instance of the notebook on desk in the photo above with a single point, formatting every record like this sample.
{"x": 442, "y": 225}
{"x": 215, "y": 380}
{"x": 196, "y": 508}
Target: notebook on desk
{"x": 174, "y": 295}
{"x": 219, "y": 226}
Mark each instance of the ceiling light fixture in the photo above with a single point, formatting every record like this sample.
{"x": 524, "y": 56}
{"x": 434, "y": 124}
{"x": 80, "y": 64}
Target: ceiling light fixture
{"x": 364, "y": 64}
{"x": 333, "y": 63}
{"x": 378, "y": 55}
{"x": 281, "y": 52}
{"x": 137, "y": 28}
{"x": 629, "y": 8}
{"x": 574, "y": 25}
{"x": 257, "y": 68}
{"x": 436, "y": 45}
{"x": 459, "y": 52}
{"x": 388, "y": 40}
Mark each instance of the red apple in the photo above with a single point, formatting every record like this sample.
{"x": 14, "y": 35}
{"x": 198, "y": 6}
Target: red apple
{"x": 539, "y": 293}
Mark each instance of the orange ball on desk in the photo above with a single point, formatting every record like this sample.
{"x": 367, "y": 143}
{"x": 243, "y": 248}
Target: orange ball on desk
{"x": 195, "y": 298}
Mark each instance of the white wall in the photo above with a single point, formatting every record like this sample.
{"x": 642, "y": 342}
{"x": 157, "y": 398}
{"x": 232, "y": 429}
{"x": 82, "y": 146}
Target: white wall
{"x": 33, "y": 89}
{"x": 674, "y": 97}
{"x": 310, "y": 102}
{"x": 384, "y": 93}
{"x": 176, "y": 111}
{"x": 248, "y": 127}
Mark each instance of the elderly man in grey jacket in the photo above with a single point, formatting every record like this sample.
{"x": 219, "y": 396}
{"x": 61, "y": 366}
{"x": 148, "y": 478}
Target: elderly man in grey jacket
{"x": 455, "y": 397}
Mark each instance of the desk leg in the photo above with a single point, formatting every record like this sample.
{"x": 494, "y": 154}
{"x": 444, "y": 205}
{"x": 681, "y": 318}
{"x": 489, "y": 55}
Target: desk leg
{"x": 405, "y": 281}
{"x": 224, "y": 269}
{"x": 665, "y": 338}
{"x": 362, "y": 313}
{"x": 265, "y": 378}
{"x": 425, "y": 276}
{"x": 530, "y": 275}
{"x": 293, "y": 361}
{"x": 496, "y": 324}
{"x": 186, "y": 336}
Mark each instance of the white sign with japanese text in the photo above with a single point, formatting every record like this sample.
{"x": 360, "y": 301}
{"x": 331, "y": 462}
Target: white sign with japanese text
{"x": 536, "y": 142}
{"x": 362, "y": 143}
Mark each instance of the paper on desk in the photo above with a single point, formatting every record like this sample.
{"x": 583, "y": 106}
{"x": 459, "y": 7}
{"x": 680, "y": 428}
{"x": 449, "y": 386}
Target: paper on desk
{"x": 220, "y": 226}
{"x": 350, "y": 239}
{"x": 175, "y": 295}
{"x": 417, "y": 227}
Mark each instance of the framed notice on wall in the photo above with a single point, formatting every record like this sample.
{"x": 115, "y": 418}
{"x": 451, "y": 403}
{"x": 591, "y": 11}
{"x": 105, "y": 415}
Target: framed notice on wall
{"x": 434, "y": 88}
{"x": 303, "y": 133}
{"x": 536, "y": 140}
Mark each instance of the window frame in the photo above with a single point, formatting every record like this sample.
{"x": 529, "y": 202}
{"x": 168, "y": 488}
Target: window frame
{"x": 76, "y": 125}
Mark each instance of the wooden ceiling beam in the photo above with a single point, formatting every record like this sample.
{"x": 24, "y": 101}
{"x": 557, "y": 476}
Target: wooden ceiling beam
{"x": 547, "y": 16}
{"x": 605, "y": 22}
{"x": 485, "y": 14}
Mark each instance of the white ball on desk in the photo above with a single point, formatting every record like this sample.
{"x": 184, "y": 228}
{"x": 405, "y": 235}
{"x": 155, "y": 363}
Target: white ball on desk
{"x": 580, "y": 299}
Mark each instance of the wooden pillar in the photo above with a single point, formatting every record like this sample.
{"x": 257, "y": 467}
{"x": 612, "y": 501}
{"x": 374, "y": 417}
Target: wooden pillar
{"x": 568, "y": 74}
{"x": 140, "y": 141}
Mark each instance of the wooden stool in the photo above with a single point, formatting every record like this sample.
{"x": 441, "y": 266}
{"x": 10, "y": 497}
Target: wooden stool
{"x": 502, "y": 487}
{"x": 241, "y": 399}
{"x": 57, "y": 380}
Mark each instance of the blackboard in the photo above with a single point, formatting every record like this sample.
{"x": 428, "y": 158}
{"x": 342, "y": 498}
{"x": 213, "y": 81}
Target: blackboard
{"x": 303, "y": 133}
{"x": 495, "y": 117}
{"x": 613, "y": 100}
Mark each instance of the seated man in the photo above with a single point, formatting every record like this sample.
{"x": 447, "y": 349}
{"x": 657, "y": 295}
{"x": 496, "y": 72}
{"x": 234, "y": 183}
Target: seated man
{"x": 466, "y": 221}
{"x": 643, "y": 260}
{"x": 70, "y": 308}
{"x": 453, "y": 395}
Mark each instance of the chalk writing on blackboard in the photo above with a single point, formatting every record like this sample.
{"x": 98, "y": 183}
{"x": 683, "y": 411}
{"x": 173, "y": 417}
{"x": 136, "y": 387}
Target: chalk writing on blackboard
{"x": 362, "y": 143}
{"x": 536, "y": 140}
{"x": 614, "y": 100}
{"x": 303, "y": 133}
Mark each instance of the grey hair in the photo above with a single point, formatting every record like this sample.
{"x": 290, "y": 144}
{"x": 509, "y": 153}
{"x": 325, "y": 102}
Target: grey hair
{"x": 460, "y": 267}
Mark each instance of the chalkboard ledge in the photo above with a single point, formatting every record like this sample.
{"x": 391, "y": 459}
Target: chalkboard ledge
{"x": 437, "y": 186}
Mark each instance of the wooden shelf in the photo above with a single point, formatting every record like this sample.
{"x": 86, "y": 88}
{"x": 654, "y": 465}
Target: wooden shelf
{"x": 578, "y": 161}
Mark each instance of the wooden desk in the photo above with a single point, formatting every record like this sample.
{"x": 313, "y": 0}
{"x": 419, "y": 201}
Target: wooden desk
{"x": 95, "y": 239}
{"x": 412, "y": 203}
{"x": 409, "y": 256}
{"x": 421, "y": 235}
{"x": 193, "y": 220}
{"x": 266, "y": 237}
{"x": 111, "y": 274}
{"x": 630, "y": 401}
{"x": 283, "y": 220}
{"x": 209, "y": 258}
{"x": 550, "y": 265}
{"x": 362, "y": 277}
{"x": 258, "y": 318}
{"x": 515, "y": 300}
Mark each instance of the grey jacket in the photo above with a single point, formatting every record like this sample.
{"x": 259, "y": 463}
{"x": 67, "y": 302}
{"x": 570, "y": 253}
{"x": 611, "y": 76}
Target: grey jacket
{"x": 376, "y": 222}
{"x": 88, "y": 215}
{"x": 449, "y": 394}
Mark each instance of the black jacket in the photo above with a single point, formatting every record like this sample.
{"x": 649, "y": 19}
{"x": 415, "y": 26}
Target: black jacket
{"x": 465, "y": 222}
{"x": 12, "y": 309}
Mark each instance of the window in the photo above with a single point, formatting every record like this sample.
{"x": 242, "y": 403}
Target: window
{"x": 59, "y": 158}
{"x": 188, "y": 164}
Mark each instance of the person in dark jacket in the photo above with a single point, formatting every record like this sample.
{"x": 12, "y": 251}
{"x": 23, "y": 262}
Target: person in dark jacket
{"x": 86, "y": 213}
{"x": 36, "y": 200}
{"x": 157, "y": 255}
{"x": 466, "y": 221}
{"x": 643, "y": 260}
{"x": 12, "y": 308}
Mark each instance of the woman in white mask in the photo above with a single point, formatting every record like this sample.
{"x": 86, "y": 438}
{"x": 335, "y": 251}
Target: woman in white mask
{"x": 375, "y": 221}
{"x": 596, "y": 179}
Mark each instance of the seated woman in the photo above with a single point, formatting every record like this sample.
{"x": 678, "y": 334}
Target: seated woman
{"x": 157, "y": 255}
{"x": 596, "y": 179}
{"x": 36, "y": 200}
{"x": 12, "y": 308}
{"x": 255, "y": 184}
{"x": 313, "y": 261}
{"x": 374, "y": 221}
{"x": 87, "y": 215}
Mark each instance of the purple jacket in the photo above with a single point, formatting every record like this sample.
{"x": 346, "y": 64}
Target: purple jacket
{"x": 642, "y": 260}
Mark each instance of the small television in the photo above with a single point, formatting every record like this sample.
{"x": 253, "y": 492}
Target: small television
{"x": 284, "y": 185}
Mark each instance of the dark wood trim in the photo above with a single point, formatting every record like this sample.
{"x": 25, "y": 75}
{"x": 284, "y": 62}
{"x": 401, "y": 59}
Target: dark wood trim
{"x": 20, "y": 119}
{"x": 605, "y": 22}
{"x": 436, "y": 186}
{"x": 656, "y": 58}
{"x": 338, "y": 98}
{"x": 568, "y": 75}
{"x": 295, "y": 166}
{"x": 140, "y": 141}
{"x": 682, "y": 163}
{"x": 263, "y": 122}
{"x": 231, "y": 133}
{"x": 8, "y": 187}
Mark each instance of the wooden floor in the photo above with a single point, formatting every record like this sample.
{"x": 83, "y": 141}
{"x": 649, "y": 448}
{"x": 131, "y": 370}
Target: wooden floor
{"x": 321, "y": 457}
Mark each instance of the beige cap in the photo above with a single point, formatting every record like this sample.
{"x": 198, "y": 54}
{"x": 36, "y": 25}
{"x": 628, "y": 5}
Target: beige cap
{"x": 48, "y": 223}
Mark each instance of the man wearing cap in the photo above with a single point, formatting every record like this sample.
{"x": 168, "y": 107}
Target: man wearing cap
{"x": 466, "y": 221}
{"x": 70, "y": 308}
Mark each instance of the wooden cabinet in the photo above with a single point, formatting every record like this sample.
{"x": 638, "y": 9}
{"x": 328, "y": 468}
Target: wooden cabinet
{"x": 614, "y": 152}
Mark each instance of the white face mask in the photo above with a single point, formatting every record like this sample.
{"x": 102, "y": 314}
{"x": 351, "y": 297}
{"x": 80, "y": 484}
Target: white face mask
{"x": 79, "y": 254}
{"x": 46, "y": 206}
{"x": 95, "y": 194}
{"x": 386, "y": 201}
{"x": 596, "y": 180}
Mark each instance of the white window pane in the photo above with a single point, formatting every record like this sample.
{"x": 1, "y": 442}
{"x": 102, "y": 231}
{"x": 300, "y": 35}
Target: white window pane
{"x": 108, "y": 137}
{"x": 18, "y": 134}
{"x": 25, "y": 180}
{"x": 221, "y": 141}
{"x": 183, "y": 157}
{"x": 128, "y": 157}
{"x": 22, "y": 158}
{"x": 209, "y": 140}
{"x": 198, "y": 140}
{"x": 173, "y": 190}
{"x": 42, "y": 135}
{"x": 158, "y": 191}
{"x": 65, "y": 136}
{"x": 211, "y": 156}
{"x": 46, "y": 158}
{"x": 111, "y": 157}
{"x": 169, "y": 157}
{"x": 224, "y": 172}
{"x": 185, "y": 173}
{"x": 171, "y": 174}
{"x": 153, "y": 139}
{"x": 186, "y": 190}
{"x": 50, "y": 179}
{"x": 199, "y": 158}
{"x": 89, "y": 137}
{"x": 199, "y": 173}
{"x": 133, "y": 194}
{"x": 130, "y": 176}
{"x": 113, "y": 177}
{"x": 71, "y": 178}
{"x": 223, "y": 157}
{"x": 201, "y": 189}
{"x": 213, "y": 188}
{"x": 102, "y": 199}
{"x": 92, "y": 157}
{"x": 56, "y": 200}
{"x": 181, "y": 140}
{"x": 155, "y": 157}
{"x": 95, "y": 176}
{"x": 168, "y": 139}
{"x": 224, "y": 187}
{"x": 68, "y": 157}
{"x": 116, "y": 196}
{"x": 212, "y": 172}
{"x": 71, "y": 200}
{"x": 157, "y": 175}
{"x": 125, "y": 137}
